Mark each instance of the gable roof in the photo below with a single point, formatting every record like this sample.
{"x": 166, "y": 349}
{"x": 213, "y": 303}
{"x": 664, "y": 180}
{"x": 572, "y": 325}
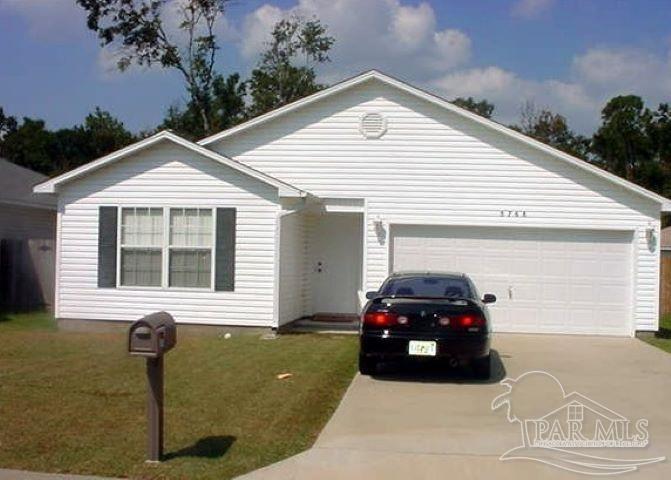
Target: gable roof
{"x": 51, "y": 186}
{"x": 441, "y": 102}
{"x": 16, "y": 186}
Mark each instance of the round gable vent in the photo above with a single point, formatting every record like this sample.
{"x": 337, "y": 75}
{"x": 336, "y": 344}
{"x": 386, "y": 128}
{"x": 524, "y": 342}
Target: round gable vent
{"x": 373, "y": 125}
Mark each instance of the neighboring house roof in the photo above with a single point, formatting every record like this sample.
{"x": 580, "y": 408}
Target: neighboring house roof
{"x": 16, "y": 186}
{"x": 51, "y": 186}
{"x": 665, "y": 240}
{"x": 441, "y": 102}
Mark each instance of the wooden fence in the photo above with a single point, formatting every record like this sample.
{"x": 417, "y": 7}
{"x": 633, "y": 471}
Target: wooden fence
{"x": 665, "y": 283}
{"x": 27, "y": 274}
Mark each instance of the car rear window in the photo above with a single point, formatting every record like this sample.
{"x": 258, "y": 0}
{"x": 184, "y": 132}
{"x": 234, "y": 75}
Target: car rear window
{"x": 427, "y": 287}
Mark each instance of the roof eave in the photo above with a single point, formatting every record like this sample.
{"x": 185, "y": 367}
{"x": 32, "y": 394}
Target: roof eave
{"x": 51, "y": 185}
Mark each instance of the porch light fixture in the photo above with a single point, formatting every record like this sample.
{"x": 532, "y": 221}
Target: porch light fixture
{"x": 650, "y": 235}
{"x": 380, "y": 231}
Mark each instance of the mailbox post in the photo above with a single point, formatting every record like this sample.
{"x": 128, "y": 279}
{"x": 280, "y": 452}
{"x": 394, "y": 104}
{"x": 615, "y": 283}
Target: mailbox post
{"x": 151, "y": 337}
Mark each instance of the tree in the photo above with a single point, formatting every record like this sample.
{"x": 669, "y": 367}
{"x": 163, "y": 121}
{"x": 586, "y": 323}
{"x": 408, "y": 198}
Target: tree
{"x": 623, "y": 142}
{"x": 482, "y": 108}
{"x": 104, "y": 134}
{"x": 8, "y": 124}
{"x": 29, "y": 145}
{"x": 552, "y": 129}
{"x": 278, "y": 80}
{"x": 660, "y": 134}
{"x": 138, "y": 27}
{"x": 226, "y": 102}
{"x": 33, "y": 146}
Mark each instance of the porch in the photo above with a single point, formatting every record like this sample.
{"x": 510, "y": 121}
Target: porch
{"x": 320, "y": 268}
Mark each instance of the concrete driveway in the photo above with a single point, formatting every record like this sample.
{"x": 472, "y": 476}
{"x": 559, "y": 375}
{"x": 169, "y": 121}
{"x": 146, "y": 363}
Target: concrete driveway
{"x": 405, "y": 426}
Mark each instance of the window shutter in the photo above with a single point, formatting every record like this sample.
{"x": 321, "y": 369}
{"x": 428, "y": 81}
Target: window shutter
{"x": 107, "y": 226}
{"x": 224, "y": 273}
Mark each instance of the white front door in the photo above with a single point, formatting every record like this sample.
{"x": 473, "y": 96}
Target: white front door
{"x": 547, "y": 281}
{"x": 336, "y": 259}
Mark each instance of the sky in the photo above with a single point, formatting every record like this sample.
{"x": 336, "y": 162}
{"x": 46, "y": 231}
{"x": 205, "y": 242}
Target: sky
{"x": 570, "y": 56}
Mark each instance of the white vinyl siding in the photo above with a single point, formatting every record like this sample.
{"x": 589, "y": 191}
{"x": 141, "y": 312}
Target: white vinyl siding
{"x": 293, "y": 274}
{"x": 432, "y": 166}
{"x": 168, "y": 175}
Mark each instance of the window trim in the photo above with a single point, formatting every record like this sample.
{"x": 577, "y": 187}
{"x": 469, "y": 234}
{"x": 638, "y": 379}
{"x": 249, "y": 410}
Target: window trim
{"x": 165, "y": 249}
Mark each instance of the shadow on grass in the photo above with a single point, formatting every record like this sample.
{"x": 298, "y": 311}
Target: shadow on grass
{"x": 439, "y": 372}
{"x": 663, "y": 332}
{"x": 208, "y": 447}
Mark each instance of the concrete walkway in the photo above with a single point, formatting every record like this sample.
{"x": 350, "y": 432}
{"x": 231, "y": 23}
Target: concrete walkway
{"x": 405, "y": 426}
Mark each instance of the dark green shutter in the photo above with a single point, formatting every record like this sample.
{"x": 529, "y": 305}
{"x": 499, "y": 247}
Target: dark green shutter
{"x": 107, "y": 225}
{"x": 224, "y": 274}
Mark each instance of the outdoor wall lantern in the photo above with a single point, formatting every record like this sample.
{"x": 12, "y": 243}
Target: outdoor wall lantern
{"x": 651, "y": 237}
{"x": 380, "y": 231}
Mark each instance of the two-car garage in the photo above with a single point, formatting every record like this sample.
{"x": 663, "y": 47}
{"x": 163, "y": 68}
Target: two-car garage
{"x": 546, "y": 280}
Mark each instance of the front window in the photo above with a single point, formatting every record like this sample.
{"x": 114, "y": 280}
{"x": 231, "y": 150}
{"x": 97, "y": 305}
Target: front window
{"x": 186, "y": 243}
{"x": 141, "y": 246}
{"x": 428, "y": 287}
{"x": 191, "y": 243}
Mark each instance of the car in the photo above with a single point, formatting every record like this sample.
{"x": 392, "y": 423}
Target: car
{"x": 426, "y": 315}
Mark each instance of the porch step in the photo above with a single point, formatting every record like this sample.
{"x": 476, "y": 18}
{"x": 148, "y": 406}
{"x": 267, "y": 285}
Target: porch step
{"x": 308, "y": 325}
{"x": 335, "y": 317}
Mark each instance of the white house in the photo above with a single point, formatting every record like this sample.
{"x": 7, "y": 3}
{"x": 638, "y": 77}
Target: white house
{"x": 301, "y": 210}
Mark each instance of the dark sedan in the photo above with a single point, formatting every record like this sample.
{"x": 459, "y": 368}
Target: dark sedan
{"x": 426, "y": 315}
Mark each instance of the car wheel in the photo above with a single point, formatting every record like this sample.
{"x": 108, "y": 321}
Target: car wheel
{"x": 367, "y": 365}
{"x": 482, "y": 367}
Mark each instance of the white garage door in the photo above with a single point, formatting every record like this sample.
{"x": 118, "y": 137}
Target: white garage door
{"x": 549, "y": 281}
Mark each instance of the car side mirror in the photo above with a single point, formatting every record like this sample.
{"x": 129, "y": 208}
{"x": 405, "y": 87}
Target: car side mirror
{"x": 371, "y": 295}
{"x": 489, "y": 298}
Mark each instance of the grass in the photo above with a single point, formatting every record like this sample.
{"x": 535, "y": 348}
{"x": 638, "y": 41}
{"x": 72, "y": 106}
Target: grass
{"x": 75, "y": 402}
{"x": 662, "y": 338}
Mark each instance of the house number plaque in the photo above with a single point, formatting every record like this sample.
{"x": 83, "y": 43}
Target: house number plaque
{"x": 513, "y": 213}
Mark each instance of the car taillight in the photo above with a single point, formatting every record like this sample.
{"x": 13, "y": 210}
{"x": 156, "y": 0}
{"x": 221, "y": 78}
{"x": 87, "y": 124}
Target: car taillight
{"x": 469, "y": 320}
{"x": 380, "y": 319}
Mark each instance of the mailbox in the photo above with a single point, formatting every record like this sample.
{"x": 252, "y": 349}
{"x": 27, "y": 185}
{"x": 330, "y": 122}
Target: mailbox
{"x": 152, "y": 336}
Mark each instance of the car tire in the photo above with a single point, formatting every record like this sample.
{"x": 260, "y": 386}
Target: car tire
{"x": 482, "y": 367}
{"x": 367, "y": 365}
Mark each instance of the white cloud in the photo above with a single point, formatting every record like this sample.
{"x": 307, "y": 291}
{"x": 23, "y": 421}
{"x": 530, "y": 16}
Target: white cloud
{"x": 385, "y": 34}
{"x": 596, "y": 76}
{"x": 531, "y": 8}
{"x": 49, "y": 19}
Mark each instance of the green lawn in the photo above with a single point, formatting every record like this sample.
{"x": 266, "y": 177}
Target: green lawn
{"x": 75, "y": 402}
{"x": 661, "y": 339}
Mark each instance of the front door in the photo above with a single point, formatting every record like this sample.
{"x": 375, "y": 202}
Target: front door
{"x": 336, "y": 262}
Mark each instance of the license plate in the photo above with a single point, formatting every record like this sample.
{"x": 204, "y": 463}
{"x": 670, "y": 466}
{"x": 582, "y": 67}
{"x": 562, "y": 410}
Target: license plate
{"x": 427, "y": 349}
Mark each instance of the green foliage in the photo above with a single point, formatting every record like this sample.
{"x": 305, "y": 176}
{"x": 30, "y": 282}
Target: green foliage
{"x": 33, "y": 146}
{"x": 30, "y": 145}
{"x": 137, "y": 28}
{"x": 552, "y": 129}
{"x": 225, "y": 105}
{"x": 622, "y": 142}
{"x": 482, "y": 108}
{"x": 8, "y": 124}
{"x": 278, "y": 79}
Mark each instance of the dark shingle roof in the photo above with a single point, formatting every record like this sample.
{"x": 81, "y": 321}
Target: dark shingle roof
{"x": 16, "y": 186}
